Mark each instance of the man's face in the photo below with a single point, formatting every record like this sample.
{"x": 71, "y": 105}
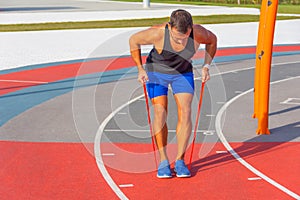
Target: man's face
{"x": 178, "y": 37}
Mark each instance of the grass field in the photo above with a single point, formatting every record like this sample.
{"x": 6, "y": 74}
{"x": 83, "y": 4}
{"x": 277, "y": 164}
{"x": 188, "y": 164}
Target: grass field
{"x": 282, "y": 8}
{"x": 212, "y": 19}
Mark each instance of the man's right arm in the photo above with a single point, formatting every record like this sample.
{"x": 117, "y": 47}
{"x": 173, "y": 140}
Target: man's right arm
{"x": 144, "y": 37}
{"x": 135, "y": 51}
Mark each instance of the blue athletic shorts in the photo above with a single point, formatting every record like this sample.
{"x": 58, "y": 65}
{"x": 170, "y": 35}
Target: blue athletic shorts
{"x": 180, "y": 83}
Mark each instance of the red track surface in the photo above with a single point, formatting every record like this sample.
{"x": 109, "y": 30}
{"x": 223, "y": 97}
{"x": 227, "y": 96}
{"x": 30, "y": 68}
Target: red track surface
{"x": 64, "y": 71}
{"x": 69, "y": 171}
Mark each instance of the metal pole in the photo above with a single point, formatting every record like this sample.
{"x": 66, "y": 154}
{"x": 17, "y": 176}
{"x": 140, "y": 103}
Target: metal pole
{"x": 259, "y": 53}
{"x": 146, "y": 3}
{"x": 263, "y": 64}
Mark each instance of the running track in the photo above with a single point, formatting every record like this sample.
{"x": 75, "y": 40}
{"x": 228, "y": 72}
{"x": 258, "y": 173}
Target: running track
{"x": 67, "y": 170}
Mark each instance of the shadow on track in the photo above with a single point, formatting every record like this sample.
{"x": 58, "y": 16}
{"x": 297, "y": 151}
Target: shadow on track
{"x": 256, "y": 146}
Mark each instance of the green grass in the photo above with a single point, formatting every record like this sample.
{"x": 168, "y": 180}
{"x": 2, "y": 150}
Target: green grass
{"x": 213, "y": 19}
{"x": 282, "y": 8}
{"x": 289, "y": 9}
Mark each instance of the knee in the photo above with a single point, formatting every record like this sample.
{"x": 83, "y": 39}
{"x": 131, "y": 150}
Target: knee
{"x": 185, "y": 113}
{"x": 160, "y": 113}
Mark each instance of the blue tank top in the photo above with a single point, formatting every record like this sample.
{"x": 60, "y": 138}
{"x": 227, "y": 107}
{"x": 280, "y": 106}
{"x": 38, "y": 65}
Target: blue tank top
{"x": 170, "y": 61}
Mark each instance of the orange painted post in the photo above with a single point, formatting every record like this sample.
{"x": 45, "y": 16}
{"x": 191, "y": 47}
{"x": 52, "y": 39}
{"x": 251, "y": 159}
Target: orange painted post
{"x": 259, "y": 53}
{"x": 265, "y": 67}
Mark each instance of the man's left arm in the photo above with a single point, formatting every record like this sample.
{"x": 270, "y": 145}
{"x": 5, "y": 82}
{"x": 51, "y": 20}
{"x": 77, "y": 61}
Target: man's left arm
{"x": 204, "y": 36}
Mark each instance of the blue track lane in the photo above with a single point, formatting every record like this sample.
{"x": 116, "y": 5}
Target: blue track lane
{"x": 15, "y": 103}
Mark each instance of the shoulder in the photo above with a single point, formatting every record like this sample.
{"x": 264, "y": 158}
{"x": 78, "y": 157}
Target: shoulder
{"x": 198, "y": 29}
{"x": 151, "y": 34}
{"x": 157, "y": 30}
{"x": 160, "y": 26}
{"x": 201, "y": 34}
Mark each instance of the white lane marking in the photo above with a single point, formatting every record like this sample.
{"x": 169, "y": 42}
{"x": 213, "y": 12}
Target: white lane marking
{"x": 108, "y": 154}
{"x": 285, "y": 63}
{"x": 126, "y": 185}
{"x": 210, "y": 115}
{"x": 205, "y": 132}
{"x": 237, "y": 157}
{"x": 122, "y": 113}
{"x": 238, "y": 92}
{"x": 98, "y": 136}
{"x": 254, "y": 178}
{"x": 136, "y": 130}
{"x": 293, "y": 101}
{"x": 209, "y": 133}
{"x": 248, "y": 68}
{"x": 286, "y": 101}
{"x": 97, "y": 150}
{"x": 22, "y": 81}
{"x": 221, "y": 152}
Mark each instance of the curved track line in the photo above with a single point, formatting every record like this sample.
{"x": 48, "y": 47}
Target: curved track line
{"x": 236, "y": 156}
{"x": 97, "y": 150}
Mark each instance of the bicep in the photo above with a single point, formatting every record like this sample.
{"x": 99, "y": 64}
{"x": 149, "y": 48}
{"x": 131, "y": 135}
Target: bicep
{"x": 145, "y": 37}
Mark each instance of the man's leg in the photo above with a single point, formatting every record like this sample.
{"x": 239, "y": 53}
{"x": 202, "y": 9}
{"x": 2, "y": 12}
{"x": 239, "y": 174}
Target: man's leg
{"x": 160, "y": 128}
{"x": 184, "y": 125}
{"x": 158, "y": 92}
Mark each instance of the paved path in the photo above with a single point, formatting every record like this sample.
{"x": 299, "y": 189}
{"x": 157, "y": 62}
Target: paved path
{"x": 16, "y": 11}
{"x": 19, "y": 49}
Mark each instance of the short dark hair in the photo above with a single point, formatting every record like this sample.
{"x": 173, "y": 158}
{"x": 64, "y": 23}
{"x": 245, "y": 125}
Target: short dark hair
{"x": 181, "y": 20}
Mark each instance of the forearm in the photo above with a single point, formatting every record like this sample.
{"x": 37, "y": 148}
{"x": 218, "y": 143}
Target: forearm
{"x": 210, "y": 48}
{"x": 135, "y": 51}
{"x": 137, "y": 58}
{"x": 210, "y": 51}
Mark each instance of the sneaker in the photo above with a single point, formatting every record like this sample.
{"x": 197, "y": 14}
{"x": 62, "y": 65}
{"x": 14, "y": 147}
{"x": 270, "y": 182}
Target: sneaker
{"x": 164, "y": 170}
{"x": 181, "y": 169}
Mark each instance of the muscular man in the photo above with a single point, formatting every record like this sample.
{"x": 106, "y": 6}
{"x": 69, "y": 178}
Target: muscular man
{"x": 169, "y": 63}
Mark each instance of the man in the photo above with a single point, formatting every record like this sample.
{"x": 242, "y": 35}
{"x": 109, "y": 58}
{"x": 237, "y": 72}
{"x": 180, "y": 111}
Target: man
{"x": 169, "y": 63}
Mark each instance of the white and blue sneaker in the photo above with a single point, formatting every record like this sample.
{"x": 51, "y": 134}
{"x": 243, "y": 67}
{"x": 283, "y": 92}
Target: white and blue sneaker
{"x": 164, "y": 170}
{"x": 181, "y": 169}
